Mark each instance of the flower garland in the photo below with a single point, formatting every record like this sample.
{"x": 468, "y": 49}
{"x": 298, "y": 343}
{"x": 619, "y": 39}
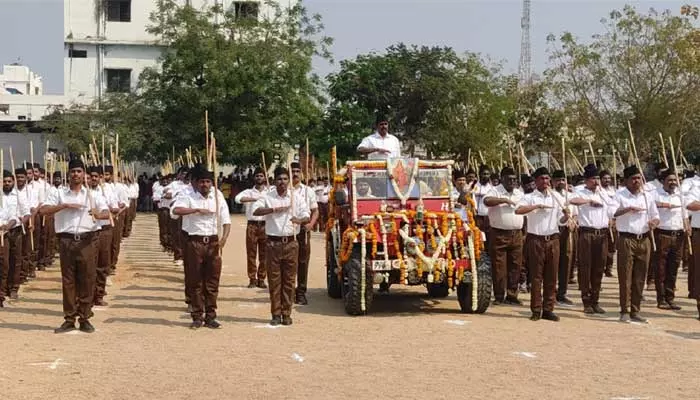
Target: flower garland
{"x": 429, "y": 261}
{"x": 349, "y": 237}
{"x": 367, "y": 164}
{"x": 474, "y": 261}
{"x": 382, "y": 229}
{"x": 418, "y": 232}
{"x": 374, "y": 238}
{"x": 390, "y": 165}
{"x": 363, "y": 272}
{"x": 402, "y": 264}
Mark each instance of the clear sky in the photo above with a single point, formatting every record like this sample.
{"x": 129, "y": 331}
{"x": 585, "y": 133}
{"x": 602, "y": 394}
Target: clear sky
{"x": 32, "y": 30}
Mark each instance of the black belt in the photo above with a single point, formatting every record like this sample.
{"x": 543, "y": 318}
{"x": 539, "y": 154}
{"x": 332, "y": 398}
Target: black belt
{"x": 507, "y": 231}
{"x": 106, "y": 227}
{"x": 201, "y": 239}
{"x": 280, "y": 239}
{"x": 600, "y": 232}
{"x": 546, "y": 238}
{"x": 670, "y": 232}
{"x": 77, "y": 236}
{"x": 256, "y": 223}
{"x": 633, "y": 235}
{"x": 696, "y": 229}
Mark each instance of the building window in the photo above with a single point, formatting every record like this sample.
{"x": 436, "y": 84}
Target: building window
{"x": 119, "y": 10}
{"x": 72, "y": 53}
{"x": 118, "y": 80}
{"x": 246, "y": 9}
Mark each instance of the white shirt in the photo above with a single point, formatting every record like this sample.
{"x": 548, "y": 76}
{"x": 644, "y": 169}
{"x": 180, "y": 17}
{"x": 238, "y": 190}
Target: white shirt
{"x": 594, "y": 217}
{"x": 157, "y": 191}
{"x": 198, "y": 224}
{"x": 109, "y": 198}
{"x": 38, "y": 188}
{"x": 636, "y": 223}
{"x": 376, "y": 141}
{"x": 14, "y": 205}
{"x": 25, "y": 196}
{"x": 71, "y": 220}
{"x": 670, "y": 219}
{"x": 503, "y": 216}
{"x": 694, "y": 195}
{"x": 252, "y": 193}
{"x": 7, "y": 214}
{"x": 653, "y": 185}
{"x": 480, "y": 192}
{"x": 279, "y": 223}
{"x": 545, "y": 221}
{"x": 133, "y": 190}
{"x": 307, "y": 194}
{"x": 321, "y": 192}
{"x": 689, "y": 183}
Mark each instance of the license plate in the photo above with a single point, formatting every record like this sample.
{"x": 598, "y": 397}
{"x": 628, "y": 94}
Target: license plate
{"x": 380, "y": 265}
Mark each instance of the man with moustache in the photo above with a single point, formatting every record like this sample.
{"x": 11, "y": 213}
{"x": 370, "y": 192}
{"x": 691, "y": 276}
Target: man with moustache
{"x": 380, "y": 145}
{"x": 255, "y": 230}
{"x": 11, "y": 273}
{"x": 527, "y": 185}
{"x": 479, "y": 192}
{"x": 304, "y": 237}
{"x": 670, "y": 240}
{"x": 635, "y": 217}
{"x": 506, "y": 237}
{"x": 545, "y": 214}
{"x": 25, "y": 198}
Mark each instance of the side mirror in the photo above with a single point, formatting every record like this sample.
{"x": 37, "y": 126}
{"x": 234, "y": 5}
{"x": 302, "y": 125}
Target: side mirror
{"x": 341, "y": 198}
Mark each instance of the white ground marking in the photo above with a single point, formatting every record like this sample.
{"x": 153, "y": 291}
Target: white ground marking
{"x": 630, "y": 398}
{"x": 50, "y": 365}
{"x": 297, "y": 357}
{"x": 456, "y": 322}
{"x": 268, "y": 326}
{"x": 246, "y": 305}
{"x": 526, "y": 354}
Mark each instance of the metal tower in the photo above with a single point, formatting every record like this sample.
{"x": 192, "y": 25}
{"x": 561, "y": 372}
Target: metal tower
{"x": 525, "y": 66}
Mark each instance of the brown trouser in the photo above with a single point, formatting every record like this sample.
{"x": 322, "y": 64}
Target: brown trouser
{"x": 482, "y": 222}
{"x": 543, "y": 263}
{"x": 506, "y": 249}
{"x": 304, "y": 239}
{"x": 116, "y": 240}
{"x": 27, "y": 268}
{"x": 255, "y": 250}
{"x": 567, "y": 256}
{"x": 163, "y": 219}
{"x": 612, "y": 238}
{"x": 129, "y": 218}
{"x": 322, "y": 216}
{"x": 693, "y": 276}
{"x": 104, "y": 261}
{"x": 49, "y": 241}
{"x": 12, "y": 270}
{"x": 592, "y": 255}
{"x": 176, "y": 237}
{"x": 202, "y": 275}
{"x": 78, "y": 255}
{"x": 667, "y": 259}
{"x": 632, "y": 261}
{"x": 281, "y": 258}
{"x": 4, "y": 261}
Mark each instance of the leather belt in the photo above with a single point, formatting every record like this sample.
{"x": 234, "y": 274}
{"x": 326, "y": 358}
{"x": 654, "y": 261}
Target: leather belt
{"x": 256, "y": 223}
{"x": 77, "y": 236}
{"x": 670, "y": 232}
{"x": 201, "y": 239}
{"x": 633, "y": 235}
{"x": 546, "y": 238}
{"x": 280, "y": 239}
{"x": 507, "y": 231}
{"x": 598, "y": 232}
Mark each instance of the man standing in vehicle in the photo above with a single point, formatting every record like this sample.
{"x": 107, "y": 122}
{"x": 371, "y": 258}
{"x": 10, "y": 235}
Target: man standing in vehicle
{"x": 380, "y": 145}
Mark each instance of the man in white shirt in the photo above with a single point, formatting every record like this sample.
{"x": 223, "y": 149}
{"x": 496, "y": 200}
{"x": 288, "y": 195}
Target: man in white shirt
{"x": 11, "y": 213}
{"x": 104, "y": 242}
{"x": 202, "y": 245}
{"x": 567, "y": 241}
{"x": 162, "y": 210}
{"x": 635, "y": 216}
{"x": 170, "y": 193}
{"x": 25, "y": 197}
{"x": 380, "y": 145}
{"x": 670, "y": 240}
{"x": 322, "y": 190}
{"x": 255, "y": 230}
{"x": 479, "y": 192}
{"x": 506, "y": 236}
{"x": 112, "y": 188}
{"x": 304, "y": 236}
{"x": 132, "y": 189}
{"x": 545, "y": 213}
{"x": 594, "y": 212}
{"x": 76, "y": 211}
{"x": 608, "y": 190}
{"x": 284, "y": 211}
{"x": 693, "y": 200}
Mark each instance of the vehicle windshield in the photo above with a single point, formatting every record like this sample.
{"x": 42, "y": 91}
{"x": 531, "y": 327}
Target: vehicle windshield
{"x": 375, "y": 184}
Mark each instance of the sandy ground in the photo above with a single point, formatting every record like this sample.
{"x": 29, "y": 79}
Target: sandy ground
{"x": 409, "y": 347}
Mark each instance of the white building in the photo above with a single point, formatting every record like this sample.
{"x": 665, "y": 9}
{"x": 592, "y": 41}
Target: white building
{"x": 107, "y": 46}
{"x": 20, "y": 80}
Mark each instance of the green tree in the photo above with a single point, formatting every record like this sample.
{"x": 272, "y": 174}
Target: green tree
{"x": 643, "y": 69}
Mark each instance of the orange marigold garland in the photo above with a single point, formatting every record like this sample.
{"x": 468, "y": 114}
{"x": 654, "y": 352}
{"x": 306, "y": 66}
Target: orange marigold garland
{"x": 349, "y": 237}
{"x": 374, "y": 237}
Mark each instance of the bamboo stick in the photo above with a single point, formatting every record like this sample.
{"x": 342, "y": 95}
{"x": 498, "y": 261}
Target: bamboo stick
{"x": 684, "y": 211}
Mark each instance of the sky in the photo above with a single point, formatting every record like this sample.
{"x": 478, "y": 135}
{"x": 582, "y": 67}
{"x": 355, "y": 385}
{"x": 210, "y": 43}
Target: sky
{"x": 32, "y": 30}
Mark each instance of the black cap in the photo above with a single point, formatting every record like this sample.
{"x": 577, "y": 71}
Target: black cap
{"x": 590, "y": 171}
{"x": 76, "y": 163}
{"x": 108, "y": 169}
{"x": 558, "y": 174}
{"x": 456, "y": 174}
{"x": 631, "y": 171}
{"x": 281, "y": 171}
{"x": 259, "y": 170}
{"x": 665, "y": 173}
{"x": 200, "y": 174}
{"x": 295, "y": 165}
{"x": 484, "y": 168}
{"x": 57, "y": 174}
{"x": 540, "y": 172}
{"x": 94, "y": 169}
{"x": 525, "y": 179}
{"x": 20, "y": 171}
{"x": 380, "y": 117}
{"x": 507, "y": 171}
{"x": 6, "y": 174}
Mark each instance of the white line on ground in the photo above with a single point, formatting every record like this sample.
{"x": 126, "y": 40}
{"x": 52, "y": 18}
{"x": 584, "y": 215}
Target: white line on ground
{"x": 297, "y": 357}
{"x": 268, "y": 326}
{"x": 526, "y": 354}
{"x": 456, "y": 322}
{"x": 50, "y": 365}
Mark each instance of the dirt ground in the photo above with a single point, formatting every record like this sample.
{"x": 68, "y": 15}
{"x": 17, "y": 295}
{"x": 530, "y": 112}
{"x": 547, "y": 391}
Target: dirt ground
{"x": 410, "y": 347}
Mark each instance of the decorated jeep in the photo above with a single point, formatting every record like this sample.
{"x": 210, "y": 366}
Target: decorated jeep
{"x": 395, "y": 222}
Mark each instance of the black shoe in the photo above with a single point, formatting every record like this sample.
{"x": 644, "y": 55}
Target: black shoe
{"x": 14, "y": 296}
{"x": 67, "y": 326}
{"x": 550, "y": 316}
{"x": 286, "y": 320}
{"x": 597, "y": 309}
{"x": 636, "y": 318}
{"x": 563, "y": 301}
{"x": 497, "y": 302}
{"x": 212, "y": 323}
{"x": 261, "y": 284}
{"x": 276, "y": 320}
{"x": 196, "y": 324}
{"x": 513, "y": 301}
{"x": 536, "y": 315}
{"x": 609, "y": 274}
{"x": 100, "y": 303}
{"x": 588, "y": 310}
{"x": 674, "y": 306}
{"x": 624, "y": 317}
{"x": 86, "y": 326}
{"x": 189, "y": 309}
{"x": 251, "y": 284}
{"x": 663, "y": 306}
{"x": 301, "y": 300}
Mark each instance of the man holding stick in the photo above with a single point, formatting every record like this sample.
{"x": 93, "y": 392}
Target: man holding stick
{"x": 104, "y": 245}
{"x": 76, "y": 211}
{"x": 255, "y": 230}
{"x": 12, "y": 268}
{"x": 635, "y": 217}
{"x": 607, "y": 191}
{"x": 304, "y": 237}
{"x": 24, "y": 197}
{"x": 284, "y": 211}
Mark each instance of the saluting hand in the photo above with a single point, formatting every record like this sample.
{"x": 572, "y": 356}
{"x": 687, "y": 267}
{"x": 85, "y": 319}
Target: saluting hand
{"x": 73, "y": 206}
{"x": 204, "y": 211}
